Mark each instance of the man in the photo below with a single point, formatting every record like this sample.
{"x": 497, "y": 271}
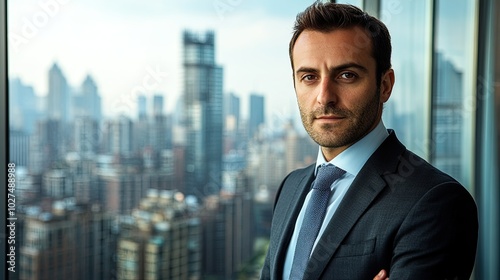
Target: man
{"x": 390, "y": 213}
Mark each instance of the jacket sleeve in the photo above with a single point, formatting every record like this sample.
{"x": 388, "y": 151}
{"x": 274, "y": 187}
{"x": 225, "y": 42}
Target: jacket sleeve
{"x": 438, "y": 238}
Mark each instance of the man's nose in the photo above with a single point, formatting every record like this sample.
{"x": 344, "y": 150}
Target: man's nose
{"x": 326, "y": 92}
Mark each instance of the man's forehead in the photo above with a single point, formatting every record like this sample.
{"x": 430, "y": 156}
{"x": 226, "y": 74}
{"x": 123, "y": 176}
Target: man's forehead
{"x": 356, "y": 36}
{"x": 349, "y": 42}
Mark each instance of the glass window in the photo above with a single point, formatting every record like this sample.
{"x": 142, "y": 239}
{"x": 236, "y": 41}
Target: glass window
{"x": 453, "y": 95}
{"x": 407, "y": 110}
{"x": 357, "y": 3}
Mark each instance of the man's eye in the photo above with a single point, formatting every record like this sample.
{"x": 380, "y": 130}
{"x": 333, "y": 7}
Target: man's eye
{"x": 308, "y": 77}
{"x": 348, "y": 75}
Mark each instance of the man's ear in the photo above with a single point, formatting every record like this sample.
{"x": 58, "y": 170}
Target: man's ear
{"x": 386, "y": 84}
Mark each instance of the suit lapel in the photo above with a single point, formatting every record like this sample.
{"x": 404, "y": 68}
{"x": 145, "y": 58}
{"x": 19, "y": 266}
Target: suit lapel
{"x": 293, "y": 194}
{"x": 364, "y": 189}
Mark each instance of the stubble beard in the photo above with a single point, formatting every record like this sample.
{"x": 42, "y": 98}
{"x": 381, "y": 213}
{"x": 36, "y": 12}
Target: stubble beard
{"x": 356, "y": 123}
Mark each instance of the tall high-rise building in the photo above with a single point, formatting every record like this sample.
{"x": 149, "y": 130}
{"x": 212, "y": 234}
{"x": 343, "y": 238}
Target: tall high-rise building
{"x": 86, "y": 136}
{"x": 157, "y": 105}
{"x": 232, "y": 112}
{"x": 228, "y": 234}
{"x": 23, "y": 106}
{"x": 91, "y": 99}
{"x": 141, "y": 107}
{"x": 19, "y": 143}
{"x": 58, "y": 95}
{"x": 203, "y": 114}
{"x": 160, "y": 126}
{"x": 46, "y": 145}
{"x": 159, "y": 133}
{"x": 141, "y": 134}
{"x": 232, "y": 135}
{"x": 256, "y": 118}
{"x": 118, "y": 136}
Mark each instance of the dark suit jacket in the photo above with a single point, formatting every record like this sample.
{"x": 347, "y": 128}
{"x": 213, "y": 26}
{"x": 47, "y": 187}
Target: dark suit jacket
{"x": 400, "y": 214}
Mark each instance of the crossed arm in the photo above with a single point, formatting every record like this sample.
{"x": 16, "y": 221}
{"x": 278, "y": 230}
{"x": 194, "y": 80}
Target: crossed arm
{"x": 438, "y": 239}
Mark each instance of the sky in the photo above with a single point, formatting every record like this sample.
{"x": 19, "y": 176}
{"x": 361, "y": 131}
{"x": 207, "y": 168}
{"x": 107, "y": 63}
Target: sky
{"x": 127, "y": 46}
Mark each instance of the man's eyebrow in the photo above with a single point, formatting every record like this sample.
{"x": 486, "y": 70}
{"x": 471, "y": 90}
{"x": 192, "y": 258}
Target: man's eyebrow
{"x": 333, "y": 69}
{"x": 349, "y": 65}
{"x": 306, "y": 70}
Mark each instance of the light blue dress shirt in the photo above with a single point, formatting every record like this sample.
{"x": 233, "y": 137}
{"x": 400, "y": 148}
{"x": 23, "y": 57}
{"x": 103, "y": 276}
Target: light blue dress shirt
{"x": 351, "y": 160}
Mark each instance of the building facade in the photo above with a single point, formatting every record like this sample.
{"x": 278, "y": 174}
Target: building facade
{"x": 256, "y": 118}
{"x": 203, "y": 114}
{"x": 58, "y": 96}
{"x": 160, "y": 239}
{"x": 63, "y": 240}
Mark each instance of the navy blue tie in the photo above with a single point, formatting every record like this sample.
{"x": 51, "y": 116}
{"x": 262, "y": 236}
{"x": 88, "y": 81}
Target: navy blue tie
{"x": 313, "y": 218}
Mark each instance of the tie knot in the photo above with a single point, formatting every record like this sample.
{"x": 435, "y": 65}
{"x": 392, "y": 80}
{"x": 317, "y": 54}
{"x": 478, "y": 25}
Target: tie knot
{"x": 327, "y": 174}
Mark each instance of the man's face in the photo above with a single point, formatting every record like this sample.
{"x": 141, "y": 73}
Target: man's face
{"x": 336, "y": 87}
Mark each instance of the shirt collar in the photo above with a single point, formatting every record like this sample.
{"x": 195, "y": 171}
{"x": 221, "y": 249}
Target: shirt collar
{"x": 354, "y": 157}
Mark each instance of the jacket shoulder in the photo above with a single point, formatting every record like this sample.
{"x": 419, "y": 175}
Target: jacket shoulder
{"x": 400, "y": 166}
{"x": 416, "y": 171}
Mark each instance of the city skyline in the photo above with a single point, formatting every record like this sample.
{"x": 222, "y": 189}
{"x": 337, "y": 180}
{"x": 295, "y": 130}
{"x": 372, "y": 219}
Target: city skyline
{"x": 125, "y": 43}
{"x": 109, "y": 166}
{"x": 146, "y": 101}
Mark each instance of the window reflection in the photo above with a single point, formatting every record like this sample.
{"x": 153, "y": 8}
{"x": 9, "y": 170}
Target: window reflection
{"x": 407, "y": 111}
{"x": 453, "y": 91}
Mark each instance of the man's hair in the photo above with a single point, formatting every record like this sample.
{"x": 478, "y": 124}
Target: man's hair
{"x": 325, "y": 17}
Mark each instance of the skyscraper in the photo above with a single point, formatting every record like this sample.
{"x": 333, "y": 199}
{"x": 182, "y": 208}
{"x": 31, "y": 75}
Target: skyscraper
{"x": 23, "y": 106}
{"x": 232, "y": 112}
{"x": 203, "y": 114}
{"x": 159, "y": 127}
{"x": 19, "y": 142}
{"x": 91, "y": 99}
{"x": 46, "y": 145}
{"x": 227, "y": 234}
{"x": 141, "y": 107}
{"x": 233, "y": 139}
{"x": 119, "y": 136}
{"x": 256, "y": 114}
{"x": 159, "y": 133}
{"x": 141, "y": 128}
{"x": 86, "y": 136}
{"x": 58, "y": 99}
{"x": 157, "y": 105}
